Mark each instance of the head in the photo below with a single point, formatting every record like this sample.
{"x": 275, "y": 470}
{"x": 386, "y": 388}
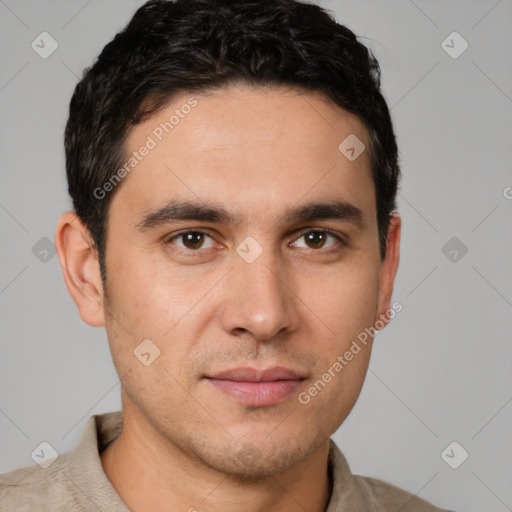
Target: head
{"x": 233, "y": 121}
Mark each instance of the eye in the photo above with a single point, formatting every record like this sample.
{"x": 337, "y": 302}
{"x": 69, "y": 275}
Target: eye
{"x": 191, "y": 240}
{"x": 317, "y": 238}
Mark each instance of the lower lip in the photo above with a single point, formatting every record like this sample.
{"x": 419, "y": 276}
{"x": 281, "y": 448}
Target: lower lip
{"x": 257, "y": 393}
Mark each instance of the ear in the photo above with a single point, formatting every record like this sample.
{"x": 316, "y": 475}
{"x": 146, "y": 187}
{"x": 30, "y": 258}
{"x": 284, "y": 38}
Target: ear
{"x": 388, "y": 268}
{"x": 80, "y": 268}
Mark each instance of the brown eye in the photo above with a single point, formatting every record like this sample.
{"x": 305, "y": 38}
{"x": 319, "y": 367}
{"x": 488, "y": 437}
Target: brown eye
{"x": 316, "y": 239}
{"x": 191, "y": 240}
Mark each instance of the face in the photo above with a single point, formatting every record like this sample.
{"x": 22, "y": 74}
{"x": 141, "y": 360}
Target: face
{"x": 217, "y": 253}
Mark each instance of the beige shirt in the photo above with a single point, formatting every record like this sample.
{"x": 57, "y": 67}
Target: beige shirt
{"x": 76, "y": 482}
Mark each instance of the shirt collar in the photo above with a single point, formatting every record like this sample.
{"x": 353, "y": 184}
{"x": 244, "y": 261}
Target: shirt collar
{"x": 84, "y": 469}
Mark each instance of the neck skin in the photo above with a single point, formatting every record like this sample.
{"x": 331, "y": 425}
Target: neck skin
{"x": 149, "y": 476}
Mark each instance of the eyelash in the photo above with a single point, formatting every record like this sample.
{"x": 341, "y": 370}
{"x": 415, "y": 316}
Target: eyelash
{"x": 187, "y": 252}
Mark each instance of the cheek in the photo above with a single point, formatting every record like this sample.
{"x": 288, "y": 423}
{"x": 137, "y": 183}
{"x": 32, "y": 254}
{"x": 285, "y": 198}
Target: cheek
{"x": 332, "y": 394}
{"x": 347, "y": 304}
{"x": 345, "y": 300}
{"x": 343, "y": 357}
{"x": 151, "y": 306}
{"x": 164, "y": 304}
{"x": 151, "y": 296}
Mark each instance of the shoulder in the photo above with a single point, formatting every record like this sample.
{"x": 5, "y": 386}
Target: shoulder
{"x": 391, "y": 498}
{"x": 35, "y": 488}
{"x": 370, "y": 494}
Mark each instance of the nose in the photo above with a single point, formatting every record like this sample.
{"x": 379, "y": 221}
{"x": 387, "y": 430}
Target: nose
{"x": 260, "y": 299}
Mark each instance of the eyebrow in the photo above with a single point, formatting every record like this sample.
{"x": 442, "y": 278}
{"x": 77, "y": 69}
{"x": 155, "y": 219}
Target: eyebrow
{"x": 177, "y": 210}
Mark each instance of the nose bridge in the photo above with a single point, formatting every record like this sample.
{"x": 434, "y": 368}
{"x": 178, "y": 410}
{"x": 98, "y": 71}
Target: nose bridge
{"x": 260, "y": 300}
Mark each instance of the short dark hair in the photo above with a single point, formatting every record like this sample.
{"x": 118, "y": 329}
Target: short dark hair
{"x": 172, "y": 47}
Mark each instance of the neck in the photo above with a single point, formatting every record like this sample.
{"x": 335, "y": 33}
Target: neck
{"x": 149, "y": 473}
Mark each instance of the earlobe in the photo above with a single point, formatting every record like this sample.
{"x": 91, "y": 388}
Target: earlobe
{"x": 388, "y": 269}
{"x": 80, "y": 268}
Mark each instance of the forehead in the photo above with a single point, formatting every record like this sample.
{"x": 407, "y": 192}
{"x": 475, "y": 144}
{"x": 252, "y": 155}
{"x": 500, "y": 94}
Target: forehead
{"x": 258, "y": 150}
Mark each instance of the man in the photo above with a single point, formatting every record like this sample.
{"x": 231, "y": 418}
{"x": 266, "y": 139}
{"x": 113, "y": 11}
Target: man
{"x": 233, "y": 170}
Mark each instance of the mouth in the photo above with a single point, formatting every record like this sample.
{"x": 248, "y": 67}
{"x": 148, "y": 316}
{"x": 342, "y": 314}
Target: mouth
{"x": 257, "y": 388}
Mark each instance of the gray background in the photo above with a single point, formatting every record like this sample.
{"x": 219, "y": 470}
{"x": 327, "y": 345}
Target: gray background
{"x": 440, "y": 372}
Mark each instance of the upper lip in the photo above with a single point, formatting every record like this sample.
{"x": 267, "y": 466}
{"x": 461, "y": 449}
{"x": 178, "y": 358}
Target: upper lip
{"x": 247, "y": 374}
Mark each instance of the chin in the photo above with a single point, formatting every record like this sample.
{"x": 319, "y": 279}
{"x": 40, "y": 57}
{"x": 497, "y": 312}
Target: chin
{"x": 252, "y": 460}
